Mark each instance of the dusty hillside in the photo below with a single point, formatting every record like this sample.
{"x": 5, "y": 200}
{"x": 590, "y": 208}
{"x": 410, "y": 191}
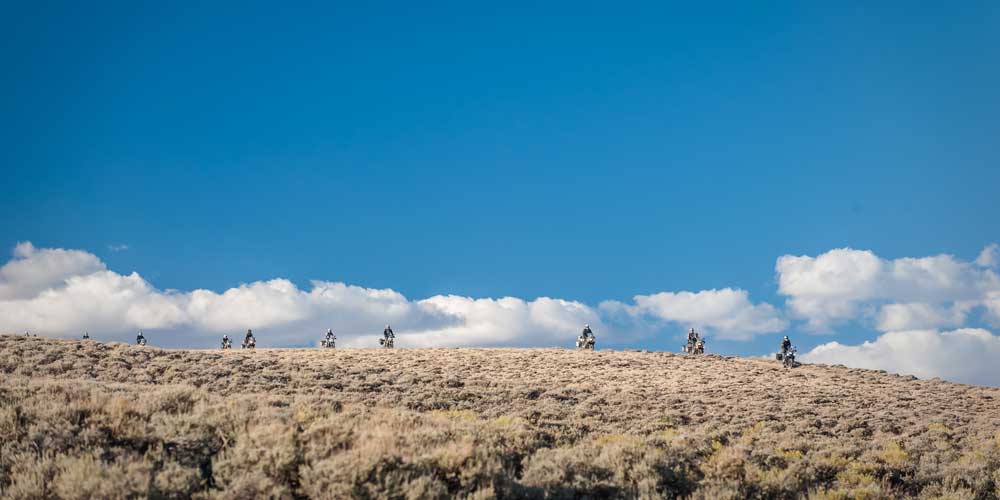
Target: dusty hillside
{"x": 82, "y": 419}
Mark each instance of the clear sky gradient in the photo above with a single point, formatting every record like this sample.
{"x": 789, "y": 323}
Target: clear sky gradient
{"x": 571, "y": 150}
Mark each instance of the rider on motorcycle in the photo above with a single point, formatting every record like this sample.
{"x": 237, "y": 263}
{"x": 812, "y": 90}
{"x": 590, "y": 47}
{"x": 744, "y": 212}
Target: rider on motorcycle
{"x": 786, "y": 345}
{"x": 139, "y": 339}
{"x": 330, "y": 337}
{"x": 86, "y": 335}
{"x": 387, "y": 333}
{"x": 692, "y": 337}
{"x": 586, "y": 340}
{"x": 248, "y": 338}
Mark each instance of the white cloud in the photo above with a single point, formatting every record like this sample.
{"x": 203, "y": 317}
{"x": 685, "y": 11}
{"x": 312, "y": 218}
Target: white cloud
{"x": 992, "y": 304}
{"x": 990, "y": 256}
{"x": 261, "y": 304}
{"x": 506, "y": 321}
{"x": 966, "y": 355}
{"x": 910, "y": 316}
{"x": 32, "y": 271}
{"x": 846, "y": 284}
{"x": 726, "y": 313}
{"x": 99, "y": 301}
{"x": 65, "y": 292}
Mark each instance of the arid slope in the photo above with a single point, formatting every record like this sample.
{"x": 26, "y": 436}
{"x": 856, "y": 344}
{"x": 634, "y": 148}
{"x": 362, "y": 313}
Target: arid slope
{"x": 479, "y": 422}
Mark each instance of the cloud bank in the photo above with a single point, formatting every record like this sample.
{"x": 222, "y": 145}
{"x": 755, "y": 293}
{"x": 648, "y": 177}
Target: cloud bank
{"x": 966, "y": 355}
{"x": 728, "y": 313}
{"x": 909, "y": 293}
{"x": 62, "y": 292}
{"x": 926, "y": 308}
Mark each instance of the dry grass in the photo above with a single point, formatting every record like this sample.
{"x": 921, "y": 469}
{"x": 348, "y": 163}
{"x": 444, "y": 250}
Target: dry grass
{"x": 90, "y": 420}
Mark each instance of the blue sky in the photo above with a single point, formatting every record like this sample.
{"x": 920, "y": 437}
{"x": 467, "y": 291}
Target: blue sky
{"x": 580, "y": 151}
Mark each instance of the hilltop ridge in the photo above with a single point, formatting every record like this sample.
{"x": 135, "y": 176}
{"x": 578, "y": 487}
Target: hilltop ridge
{"x": 516, "y": 422}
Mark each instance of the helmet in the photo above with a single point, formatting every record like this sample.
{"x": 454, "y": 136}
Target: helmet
{"x": 387, "y": 325}
{"x": 586, "y": 326}
{"x": 786, "y": 337}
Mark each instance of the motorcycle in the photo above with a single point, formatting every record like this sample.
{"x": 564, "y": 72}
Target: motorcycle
{"x": 386, "y": 343}
{"x": 250, "y": 343}
{"x": 586, "y": 343}
{"x": 329, "y": 342}
{"x": 140, "y": 341}
{"x": 227, "y": 344}
{"x": 697, "y": 347}
{"x": 788, "y": 359}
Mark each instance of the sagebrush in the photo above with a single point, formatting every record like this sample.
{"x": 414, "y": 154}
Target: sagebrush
{"x": 91, "y": 420}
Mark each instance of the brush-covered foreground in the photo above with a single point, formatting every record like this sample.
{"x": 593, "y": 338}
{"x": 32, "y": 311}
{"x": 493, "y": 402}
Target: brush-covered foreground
{"x": 91, "y": 420}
